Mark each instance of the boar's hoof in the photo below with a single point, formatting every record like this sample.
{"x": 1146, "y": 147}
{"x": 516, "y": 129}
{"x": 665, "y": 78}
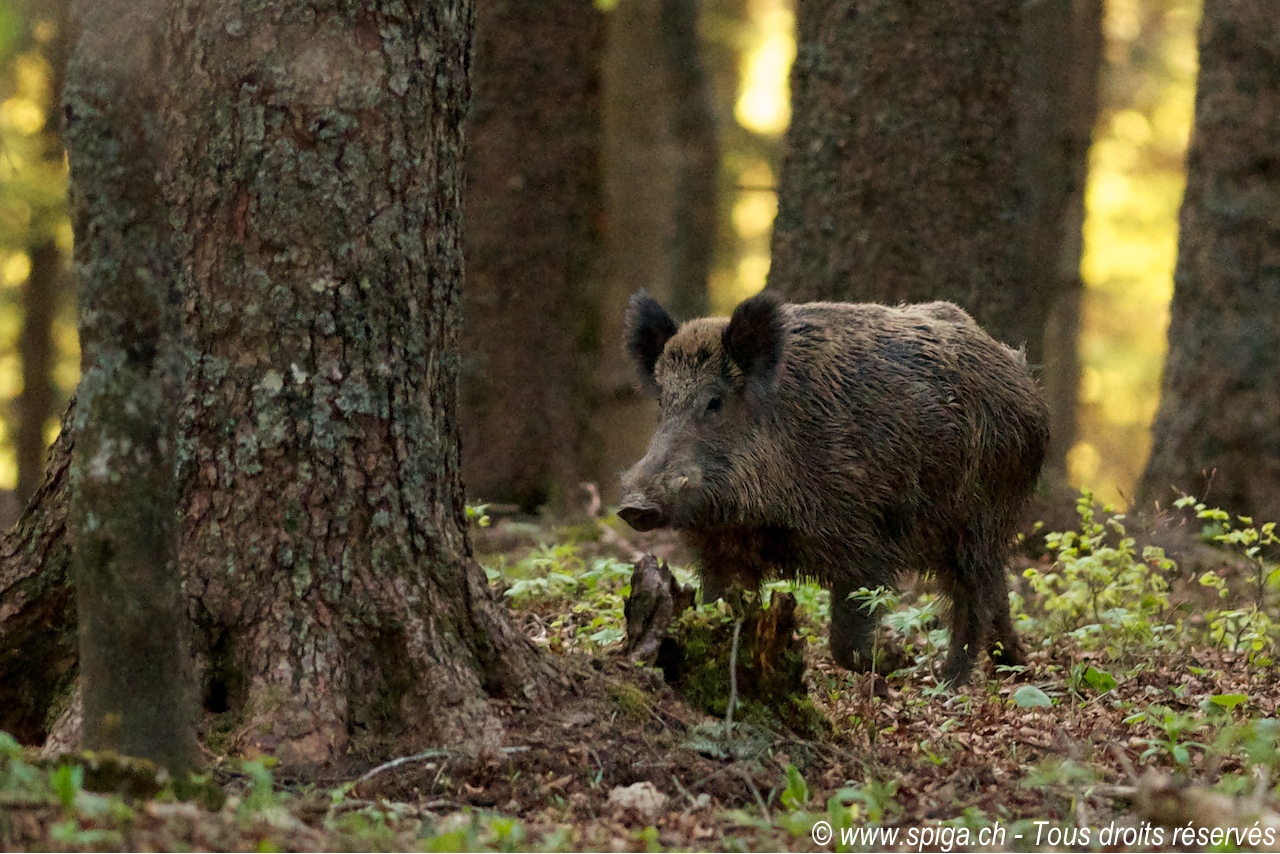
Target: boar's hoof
{"x": 641, "y": 516}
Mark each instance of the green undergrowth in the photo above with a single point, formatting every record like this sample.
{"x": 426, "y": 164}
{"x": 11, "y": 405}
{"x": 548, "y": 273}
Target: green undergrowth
{"x": 1107, "y": 593}
{"x": 1102, "y": 591}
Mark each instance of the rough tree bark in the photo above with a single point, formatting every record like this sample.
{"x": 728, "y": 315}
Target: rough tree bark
{"x": 38, "y": 637}
{"x": 901, "y": 179}
{"x": 1217, "y": 432}
{"x": 134, "y": 636}
{"x": 314, "y": 182}
{"x": 533, "y": 201}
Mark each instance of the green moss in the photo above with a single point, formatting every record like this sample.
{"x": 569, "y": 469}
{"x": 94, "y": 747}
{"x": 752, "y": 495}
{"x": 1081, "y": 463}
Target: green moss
{"x": 770, "y": 696}
{"x": 632, "y": 703}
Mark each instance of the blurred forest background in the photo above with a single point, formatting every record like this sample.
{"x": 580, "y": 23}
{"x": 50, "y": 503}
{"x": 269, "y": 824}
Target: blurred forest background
{"x": 691, "y": 137}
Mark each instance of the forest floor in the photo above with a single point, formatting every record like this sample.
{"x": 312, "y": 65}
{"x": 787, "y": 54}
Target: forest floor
{"x": 1147, "y": 708}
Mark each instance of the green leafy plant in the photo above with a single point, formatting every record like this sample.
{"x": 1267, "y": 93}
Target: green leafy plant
{"x": 1101, "y": 588}
{"x": 1249, "y": 629}
{"x": 591, "y": 594}
{"x": 1173, "y": 727}
{"x": 1084, "y": 677}
{"x": 262, "y": 793}
{"x": 795, "y": 795}
{"x": 479, "y": 515}
{"x": 1030, "y": 697}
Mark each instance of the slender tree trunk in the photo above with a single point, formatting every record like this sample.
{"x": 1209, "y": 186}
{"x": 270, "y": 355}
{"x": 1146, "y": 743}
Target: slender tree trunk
{"x": 134, "y": 648}
{"x": 45, "y": 289}
{"x": 661, "y": 162}
{"x": 533, "y": 201}
{"x": 1217, "y": 432}
{"x": 42, "y": 295}
{"x": 1057, "y": 100}
{"x": 697, "y": 158}
{"x": 323, "y": 531}
{"x": 901, "y": 180}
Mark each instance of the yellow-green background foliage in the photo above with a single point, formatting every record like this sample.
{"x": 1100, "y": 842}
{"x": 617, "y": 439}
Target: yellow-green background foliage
{"x": 32, "y": 210}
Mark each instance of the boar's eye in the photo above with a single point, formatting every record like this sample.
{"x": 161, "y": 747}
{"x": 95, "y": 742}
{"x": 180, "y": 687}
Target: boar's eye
{"x": 714, "y": 404}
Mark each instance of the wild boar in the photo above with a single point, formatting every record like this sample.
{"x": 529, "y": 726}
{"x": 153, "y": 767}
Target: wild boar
{"x": 848, "y": 443}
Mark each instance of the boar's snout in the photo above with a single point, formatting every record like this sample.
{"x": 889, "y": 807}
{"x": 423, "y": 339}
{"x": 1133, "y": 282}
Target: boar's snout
{"x": 641, "y": 514}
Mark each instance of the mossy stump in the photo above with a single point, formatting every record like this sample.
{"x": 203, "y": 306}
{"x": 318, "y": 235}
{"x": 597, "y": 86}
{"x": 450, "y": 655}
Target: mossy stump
{"x": 692, "y": 646}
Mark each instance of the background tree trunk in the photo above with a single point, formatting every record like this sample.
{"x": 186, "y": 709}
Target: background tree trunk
{"x": 1217, "y": 432}
{"x": 661, "y": 161}
{"x": 1057, "y": 101}
{"x": 324, "y": 538}
{"x": 134, "y": 651}
{"x": 901, "y": 179}
{"x": 533, "y": 204}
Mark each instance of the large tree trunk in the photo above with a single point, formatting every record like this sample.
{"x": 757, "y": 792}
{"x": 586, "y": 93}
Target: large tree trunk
{"x": 314, "y": 183}
{"x": 901, "y": 180}
{"x": 134, "y": 647}
{"x": 533, "y": 201}
{"x": 1217, "y": 432}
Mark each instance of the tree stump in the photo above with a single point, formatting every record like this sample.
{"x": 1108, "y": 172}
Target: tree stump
{"x": 692, "y": 646}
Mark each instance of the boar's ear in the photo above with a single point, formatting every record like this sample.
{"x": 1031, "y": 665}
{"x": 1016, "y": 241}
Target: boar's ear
{"x": 649, "y": 328}
{"x": 753, "y": 338}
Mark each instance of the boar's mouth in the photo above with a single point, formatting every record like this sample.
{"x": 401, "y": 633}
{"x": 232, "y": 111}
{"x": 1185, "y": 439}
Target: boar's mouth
{"x": 642, "y": 515}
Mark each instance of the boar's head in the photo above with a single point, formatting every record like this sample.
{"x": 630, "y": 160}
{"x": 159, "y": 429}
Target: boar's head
{"x": 715, "y": 382}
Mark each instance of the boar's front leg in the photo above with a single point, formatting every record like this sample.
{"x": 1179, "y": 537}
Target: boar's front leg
{"x": 727, "y": 558}
{"x": 852, "y": 629}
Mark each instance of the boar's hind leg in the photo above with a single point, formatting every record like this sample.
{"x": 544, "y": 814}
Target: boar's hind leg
{"x": 852, "y": 630}
{"x": 1003, "y": 644}
{"x": 979, "y": 597}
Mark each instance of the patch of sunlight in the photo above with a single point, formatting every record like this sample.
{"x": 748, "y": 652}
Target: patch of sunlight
{"x": 52, "y": 428}
{"x": 754, "y": 211}
{"x": 15, "y": 269}
{"x": 1132, "y": 203}
{"x": 10, "y": 326}
{"x": 66, "y": 368}
{"x": 63, "y": 233}
{"x": 756, "y": 204}
{"x": 1083, "y": 462}
{"x": 21, "y": 115}
{"x": 10, "y": 376}
{"x": 1131, "y": 126}
{"x": 753, "y": 269}
{"x": 1122, "y": 21}
{"x": 764, "y": 97}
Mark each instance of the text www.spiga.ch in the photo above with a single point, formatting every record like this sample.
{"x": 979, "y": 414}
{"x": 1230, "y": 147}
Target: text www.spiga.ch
{"x": 940, "y": 838}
